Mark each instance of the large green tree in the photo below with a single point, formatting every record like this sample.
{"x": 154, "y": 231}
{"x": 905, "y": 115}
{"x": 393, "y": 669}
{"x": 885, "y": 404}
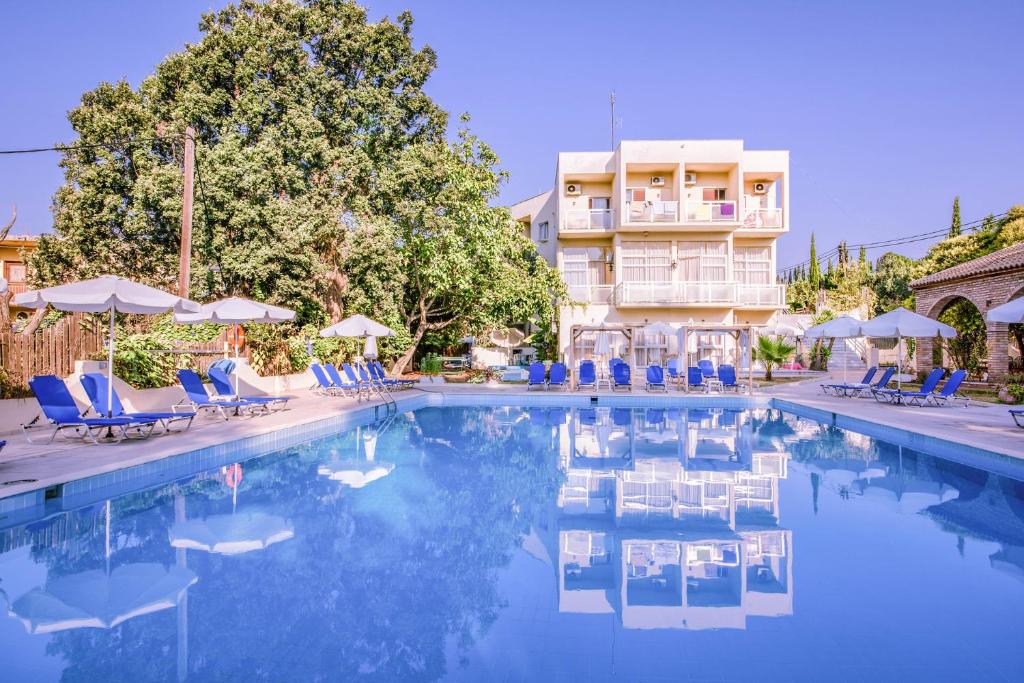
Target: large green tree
{"x": 891, "y": 281}
{"x": 298, "y": 107}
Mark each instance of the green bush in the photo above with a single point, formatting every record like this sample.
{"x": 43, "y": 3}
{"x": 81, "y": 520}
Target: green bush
{"x": 430, "y": 364}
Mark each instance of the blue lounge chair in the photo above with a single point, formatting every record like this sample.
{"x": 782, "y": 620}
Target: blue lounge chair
{"x": 382, "y": 376}
{"x": 61, "y": 413}
{"x": 622, "y": 417}
{"x": 897, "y": 396}
{"x": 727, "y": 376}
{"x": 536, "y": 378}
{"x": 226, "y": 391}
{"x": 840, "y": 389}
{"x": 707, "y": 368}
{"x": 556, "y": 416}
{"x": 324, "y": 384}
{"x": 350, "y": 382}
{"x": 96, "y": 385}
{"x": 673, "y": 370}
{"x": 949, "y": 390}
{"x": 880, "y": 384}
{"x": 655, "y": 416}
{"x": 587, "y": 416}
{"x": 197, "y": 398}
{"x": 620, "y": 377}
{"x": 695, "y": 379}
{"x": 587, "y": 376}
{"x": 556, "y": 377}
{"x": 656, "y": 378}
{"x": 1017, "y": 414}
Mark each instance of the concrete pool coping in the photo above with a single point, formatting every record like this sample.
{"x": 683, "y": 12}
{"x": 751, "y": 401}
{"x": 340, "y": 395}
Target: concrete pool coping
{"x": 981, "y": 435}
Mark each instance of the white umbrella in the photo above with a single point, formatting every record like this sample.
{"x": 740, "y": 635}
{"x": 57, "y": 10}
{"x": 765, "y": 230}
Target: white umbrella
{"x": 96, "y": 599}
{"x": 370, "y": 348}
{"x": 902, "y": 323}
{"x": 236, "y": 311}
{"x": 1010, "y": 312}
{"x": 231, "y": 534}
{"x": 843, "y": 327}
{"x": 357, "y": 326}
{"x": 353, "y": 474}
{"x": 106, "y": 294}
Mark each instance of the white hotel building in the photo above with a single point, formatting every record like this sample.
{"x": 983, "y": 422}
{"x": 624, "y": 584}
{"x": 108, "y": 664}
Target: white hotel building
{"x": 676, "y": 231}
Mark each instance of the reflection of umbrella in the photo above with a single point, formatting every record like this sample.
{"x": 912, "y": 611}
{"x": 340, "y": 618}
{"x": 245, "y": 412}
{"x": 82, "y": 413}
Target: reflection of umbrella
{"x": 231, "y": 534}
{"x": 95, "y": 599}
{"x": 355, "y": 475}
{"x": 907, "y": 495}
{"x": 102, "y": 295}
{"x": 845, "y": 471}
{"x": 236, "y": 311}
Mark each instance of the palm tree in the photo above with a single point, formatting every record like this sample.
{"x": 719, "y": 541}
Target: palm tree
{"x": 771, "y": 353}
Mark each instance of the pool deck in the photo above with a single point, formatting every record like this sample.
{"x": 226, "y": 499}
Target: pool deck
{"x": 31, "y": 467}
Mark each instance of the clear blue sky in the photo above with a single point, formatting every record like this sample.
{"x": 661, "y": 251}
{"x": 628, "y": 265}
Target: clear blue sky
{"x": 888, "y": 108}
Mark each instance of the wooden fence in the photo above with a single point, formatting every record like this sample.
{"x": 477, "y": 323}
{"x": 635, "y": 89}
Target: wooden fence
{"x": 50, "y": 351}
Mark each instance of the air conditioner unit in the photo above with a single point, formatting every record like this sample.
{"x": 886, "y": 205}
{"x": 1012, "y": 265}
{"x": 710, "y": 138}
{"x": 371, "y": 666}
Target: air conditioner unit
{"x": 573, "y": 189}
{"x": 657, "y": 180}
{"x": 760, "y": 188}
{"x": 690, "y": 179}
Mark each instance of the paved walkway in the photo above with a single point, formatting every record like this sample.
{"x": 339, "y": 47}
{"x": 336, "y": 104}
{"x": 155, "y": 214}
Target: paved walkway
{"x": 982, "y": 426}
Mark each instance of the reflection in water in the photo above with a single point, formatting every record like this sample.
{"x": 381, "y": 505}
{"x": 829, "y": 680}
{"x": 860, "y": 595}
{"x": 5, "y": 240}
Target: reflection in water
{"x": 394, "y": 550}
{"x": 671, "y": 519}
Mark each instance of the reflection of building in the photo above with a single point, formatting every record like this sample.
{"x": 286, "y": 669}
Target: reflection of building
{"x": 670, "y": 518}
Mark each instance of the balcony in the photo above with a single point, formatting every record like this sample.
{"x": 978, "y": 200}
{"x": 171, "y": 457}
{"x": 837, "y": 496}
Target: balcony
{"x": 652, "y": 212}
{"x": 587, "y": 219}
{"x": 756, "y": 217}
{"x": 711, "y": 212}
{"x": 591, "y": 294}
{"x": 699, "y": 294}
{"x": 17, "y": 287}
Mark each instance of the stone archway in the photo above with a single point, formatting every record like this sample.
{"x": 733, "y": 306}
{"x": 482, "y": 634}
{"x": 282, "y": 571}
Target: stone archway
{"x": 969, "y": 349}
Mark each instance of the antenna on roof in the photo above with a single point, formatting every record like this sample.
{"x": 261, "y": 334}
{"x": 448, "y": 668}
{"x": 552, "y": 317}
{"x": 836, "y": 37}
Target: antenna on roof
{"x": 612, "y": 103}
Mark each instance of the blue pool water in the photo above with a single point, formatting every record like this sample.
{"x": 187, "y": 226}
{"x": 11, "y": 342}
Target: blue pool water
{"x": 513, "y": 543}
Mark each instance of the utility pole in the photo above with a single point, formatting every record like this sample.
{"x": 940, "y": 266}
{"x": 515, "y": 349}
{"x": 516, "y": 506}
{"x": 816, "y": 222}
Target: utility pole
{"x": 188, "y": 173}
{"x": 612, "y": 102}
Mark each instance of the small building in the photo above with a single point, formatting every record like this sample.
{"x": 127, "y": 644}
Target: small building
{"x": 986, "y": 282}
{"x": 13, "y": 250}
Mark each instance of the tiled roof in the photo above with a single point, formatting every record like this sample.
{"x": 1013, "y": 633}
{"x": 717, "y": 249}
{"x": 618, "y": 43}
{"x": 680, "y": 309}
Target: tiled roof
{"x": 1005, "y": 259}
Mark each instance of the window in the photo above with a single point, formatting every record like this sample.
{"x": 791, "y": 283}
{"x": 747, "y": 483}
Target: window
{"x": 601, "y": 203}
{"x": 650, "y": 349}
{"x": 646, "y": 262}
{"x": 637, "y": 194}
{"x": 15, "y": 272}
{"x": 543, "y": 231}
{"x": 752, "y": 265}
{"x": 703, "y": 261}
{"x": 714, "y": 194}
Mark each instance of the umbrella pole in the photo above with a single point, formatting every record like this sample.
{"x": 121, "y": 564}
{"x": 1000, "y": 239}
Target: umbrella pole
{"x": 236, "y": 359}
{"x": 110, "y": 369}
{"x": 899, "y": 363}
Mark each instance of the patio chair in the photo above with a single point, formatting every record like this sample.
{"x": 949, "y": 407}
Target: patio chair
{"x": 197, "y": 398}
{"x": 225, "y": 390}
{"x": 707, "y": 368}
{"x": 897, "y": 396}
{"x": 948, "y": 392}
{"x": 656, "y": 378}
{"x": 622, "y": 417}
{"x": 587, "y": 416}
{"x": 695, "y": 379}
{"x": 841, "y": 388}
{"x": 673, "y": 370}
{"x": 324, "y": 384}
{"x": 727, "y": 377}
{"x": 880, "y": 384}
{"x": 556, "y": 377}
{"x": 1017, "y": 414}
{"x": 96, "y": 385}
{"x": 536, "y": 378}
{"x": 587, "y": 375}
{"x": 61, "y": 413}
{"x": 655, "y": 416}
{"x": 621, "y": 378}
{"x": 396, "y": 381}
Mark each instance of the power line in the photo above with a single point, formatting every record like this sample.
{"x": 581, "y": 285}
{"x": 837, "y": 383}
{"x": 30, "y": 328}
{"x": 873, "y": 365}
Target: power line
{"x": 95, "y": 145}
{"x": 896, "y": 241}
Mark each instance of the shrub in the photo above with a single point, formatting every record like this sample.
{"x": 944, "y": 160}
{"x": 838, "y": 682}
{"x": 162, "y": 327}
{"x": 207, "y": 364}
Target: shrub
{"x": 430, "y": 364}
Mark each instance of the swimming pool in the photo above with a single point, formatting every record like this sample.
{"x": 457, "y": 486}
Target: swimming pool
{"x": 533, "y": 543}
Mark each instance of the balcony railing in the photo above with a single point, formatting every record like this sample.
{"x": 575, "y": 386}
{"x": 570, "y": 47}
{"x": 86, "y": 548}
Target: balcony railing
{"x": 591, "y": 294}
{"x": 711, "y": 212}
{"x": 587, "y": 219}
{"x": 652, "y": 212}
{"x": 706, "y": 293}
{"x": 757, "y": 217}
{"x": 17, "y": 287}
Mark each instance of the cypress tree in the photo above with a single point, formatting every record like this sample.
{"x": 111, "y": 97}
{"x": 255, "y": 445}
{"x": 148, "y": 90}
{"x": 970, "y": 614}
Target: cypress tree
{"x": 815, "y": 273}
{"x": 954, "y": 226}
{"x": 862, "y": 260}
